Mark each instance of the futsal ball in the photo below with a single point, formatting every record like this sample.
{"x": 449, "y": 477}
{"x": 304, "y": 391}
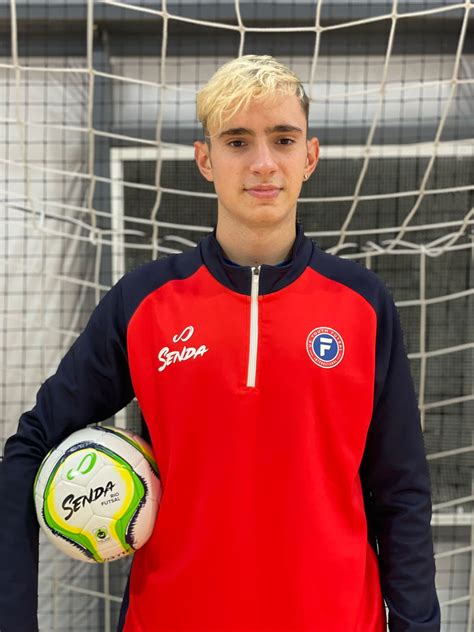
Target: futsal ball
{"x": 97, "y": 494}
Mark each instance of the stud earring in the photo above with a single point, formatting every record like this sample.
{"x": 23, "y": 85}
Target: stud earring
{"x": 305, "y": 176}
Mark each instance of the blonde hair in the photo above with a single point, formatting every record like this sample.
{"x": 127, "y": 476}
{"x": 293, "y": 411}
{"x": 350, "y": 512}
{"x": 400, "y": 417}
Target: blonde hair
{"x": 235, "y": 83}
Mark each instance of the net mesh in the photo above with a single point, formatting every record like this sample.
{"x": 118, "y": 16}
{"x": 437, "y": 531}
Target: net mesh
{"x": 97, "y": 123}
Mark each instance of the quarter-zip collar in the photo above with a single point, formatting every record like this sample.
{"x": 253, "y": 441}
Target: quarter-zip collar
{"x": 272, "y": 278}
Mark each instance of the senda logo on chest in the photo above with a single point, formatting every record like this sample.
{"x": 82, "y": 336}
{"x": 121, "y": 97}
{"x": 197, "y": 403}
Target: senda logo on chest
{"x": 166, "y": 356}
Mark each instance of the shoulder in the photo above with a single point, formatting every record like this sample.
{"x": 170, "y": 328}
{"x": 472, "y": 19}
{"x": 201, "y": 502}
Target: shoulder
{"x": 138, "y": 283}
{"x": 351, "y": 274}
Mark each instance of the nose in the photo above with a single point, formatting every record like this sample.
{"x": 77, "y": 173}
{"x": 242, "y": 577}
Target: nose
{"x": 263, "y": 161}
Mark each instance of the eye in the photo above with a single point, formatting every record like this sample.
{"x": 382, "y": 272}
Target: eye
{"x": 286, "y": 141}
{"x": 231, "y": 143}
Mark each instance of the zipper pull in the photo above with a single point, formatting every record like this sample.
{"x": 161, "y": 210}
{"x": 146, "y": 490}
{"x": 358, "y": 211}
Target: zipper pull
{"x": 255, "y": 282}
{"x": 253, "y": 343}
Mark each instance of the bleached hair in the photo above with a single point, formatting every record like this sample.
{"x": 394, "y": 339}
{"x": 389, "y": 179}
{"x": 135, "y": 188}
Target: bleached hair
{"x": 235, "y": 83}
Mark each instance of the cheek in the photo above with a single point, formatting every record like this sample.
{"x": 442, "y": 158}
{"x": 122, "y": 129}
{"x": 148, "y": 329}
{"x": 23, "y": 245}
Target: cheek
{"x": 298, "y": 168}
{"x": 295, "y": 181}
{"x": 226, "y": 179}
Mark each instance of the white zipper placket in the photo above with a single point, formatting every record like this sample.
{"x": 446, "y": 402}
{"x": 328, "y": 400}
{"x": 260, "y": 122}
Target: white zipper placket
{"x": 252, "y": 364}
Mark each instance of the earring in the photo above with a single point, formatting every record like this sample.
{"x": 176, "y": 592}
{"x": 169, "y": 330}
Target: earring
{"x": 305, "y": 176}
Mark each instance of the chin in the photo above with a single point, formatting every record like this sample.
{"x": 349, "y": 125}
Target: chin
{"x": 264, "y": 215}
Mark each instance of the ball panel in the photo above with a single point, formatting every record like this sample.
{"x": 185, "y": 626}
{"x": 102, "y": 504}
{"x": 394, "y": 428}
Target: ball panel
{"x": 134, "y": 440}
{"x": 142, "y": 522}
{"x": 146, "y": 473}
{"x": 67, "y": 504}
{"x": 81, "y": 463}
{"x": 142, "y": 446}
{"x": 118, "y": 481}
{"x": 102, "y": 531}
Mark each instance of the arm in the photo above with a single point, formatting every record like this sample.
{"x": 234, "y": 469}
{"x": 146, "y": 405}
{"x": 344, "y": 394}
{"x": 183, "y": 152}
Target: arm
{"x": 92, "y": 382}
{"x": 396, "y": 482}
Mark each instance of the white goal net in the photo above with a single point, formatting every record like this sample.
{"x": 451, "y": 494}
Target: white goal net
{"x": 97, "y": 119}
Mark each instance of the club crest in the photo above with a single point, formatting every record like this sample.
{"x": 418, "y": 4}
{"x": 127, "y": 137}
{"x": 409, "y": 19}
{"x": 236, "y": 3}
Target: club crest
{"x": 325, "y": 347}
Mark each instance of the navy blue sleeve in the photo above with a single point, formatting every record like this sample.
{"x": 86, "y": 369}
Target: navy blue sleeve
{"x": 91, "y": 384}
{"x": 396, "y": 482}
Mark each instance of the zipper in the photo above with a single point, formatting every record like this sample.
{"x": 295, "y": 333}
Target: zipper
{"x": 252, "y": 364}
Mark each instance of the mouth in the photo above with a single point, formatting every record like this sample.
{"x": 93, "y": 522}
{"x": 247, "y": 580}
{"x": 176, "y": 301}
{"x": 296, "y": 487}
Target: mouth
{"x": 264, "y": 191}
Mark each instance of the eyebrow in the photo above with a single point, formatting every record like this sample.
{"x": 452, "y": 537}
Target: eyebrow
{"x": 241, "y": 131}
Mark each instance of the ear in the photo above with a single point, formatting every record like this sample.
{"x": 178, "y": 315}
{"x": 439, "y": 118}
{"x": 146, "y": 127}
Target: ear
{"x": 203, "y": 159}
{"x": 312, "y": 155}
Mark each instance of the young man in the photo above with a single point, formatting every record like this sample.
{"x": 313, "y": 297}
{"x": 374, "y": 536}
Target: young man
{"x": 296, "y": 492}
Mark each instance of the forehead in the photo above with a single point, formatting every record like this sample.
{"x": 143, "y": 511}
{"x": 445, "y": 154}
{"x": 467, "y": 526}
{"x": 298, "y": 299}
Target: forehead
{"x": 265, "y": 114}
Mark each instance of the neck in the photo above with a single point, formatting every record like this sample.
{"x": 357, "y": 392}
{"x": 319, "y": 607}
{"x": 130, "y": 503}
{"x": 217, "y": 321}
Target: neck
{"x": 251, "y": 246}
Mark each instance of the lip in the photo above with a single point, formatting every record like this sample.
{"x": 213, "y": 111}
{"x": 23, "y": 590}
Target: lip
{"x": 265, "y": 192}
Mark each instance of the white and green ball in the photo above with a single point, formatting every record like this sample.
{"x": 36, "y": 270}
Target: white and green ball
{"x": 97, "y": 494}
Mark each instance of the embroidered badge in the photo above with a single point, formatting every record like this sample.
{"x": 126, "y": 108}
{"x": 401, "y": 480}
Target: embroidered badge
{"x": 325, "y": 347}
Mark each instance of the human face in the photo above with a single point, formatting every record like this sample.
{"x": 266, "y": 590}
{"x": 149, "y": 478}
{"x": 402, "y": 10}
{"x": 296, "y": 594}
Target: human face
{"x": 257, "y": 162}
